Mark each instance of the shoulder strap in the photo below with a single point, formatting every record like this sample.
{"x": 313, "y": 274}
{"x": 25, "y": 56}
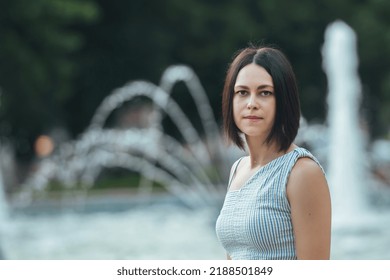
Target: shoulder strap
{"x": 298, "y": 153}
{"x": 302, "y": 152}
{"x": 233, "y": 170}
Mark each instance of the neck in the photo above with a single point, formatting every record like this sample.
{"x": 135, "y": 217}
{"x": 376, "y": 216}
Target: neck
{"x": 261, "y": 153}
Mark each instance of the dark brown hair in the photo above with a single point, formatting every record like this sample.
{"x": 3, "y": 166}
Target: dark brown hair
{"x": 287, "y": 116}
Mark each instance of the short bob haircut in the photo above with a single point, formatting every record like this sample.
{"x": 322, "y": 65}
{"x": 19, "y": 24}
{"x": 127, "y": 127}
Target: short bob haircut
{"x": 287, "y": 116}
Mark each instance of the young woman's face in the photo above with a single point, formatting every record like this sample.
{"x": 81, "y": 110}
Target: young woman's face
{"x": 254, "y": 103}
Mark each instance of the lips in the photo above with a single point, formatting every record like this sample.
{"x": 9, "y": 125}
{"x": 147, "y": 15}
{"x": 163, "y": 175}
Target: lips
{"x": 253, "y": 117}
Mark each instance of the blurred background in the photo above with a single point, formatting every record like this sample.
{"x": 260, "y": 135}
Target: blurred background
{"x": 60, "y": 59}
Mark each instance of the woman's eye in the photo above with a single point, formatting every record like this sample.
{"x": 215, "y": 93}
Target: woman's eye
{"x": 241, "y": 92}
{"x": 266, "y": 93}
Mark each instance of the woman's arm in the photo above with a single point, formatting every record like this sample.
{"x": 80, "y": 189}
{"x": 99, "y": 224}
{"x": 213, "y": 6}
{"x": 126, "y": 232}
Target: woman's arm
{"x": 308, "y": 194}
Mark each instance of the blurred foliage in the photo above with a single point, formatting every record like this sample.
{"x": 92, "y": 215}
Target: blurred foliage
{"x": 60, "y": 58}
{"x": 37, "y": 68}
{"x": 107, "y": 180}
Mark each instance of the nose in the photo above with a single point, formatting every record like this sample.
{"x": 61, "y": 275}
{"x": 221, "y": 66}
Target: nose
{"x": 252, "y": 104}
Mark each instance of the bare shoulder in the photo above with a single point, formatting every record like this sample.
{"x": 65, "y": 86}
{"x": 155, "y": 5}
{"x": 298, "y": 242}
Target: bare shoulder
{"x": 306, "y": 167}
{"x": 309, "y": 198}
{"x": 306, "y": 178}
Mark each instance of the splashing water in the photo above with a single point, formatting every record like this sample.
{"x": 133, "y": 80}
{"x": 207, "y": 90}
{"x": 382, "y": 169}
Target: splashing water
{"x": 358, "y": 229}
{"x": 180, "y": 167}
{"x": 347, "y": 156}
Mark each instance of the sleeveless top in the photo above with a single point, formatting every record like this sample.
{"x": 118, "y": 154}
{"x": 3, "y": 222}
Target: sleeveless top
{"x": 255, "y": 221}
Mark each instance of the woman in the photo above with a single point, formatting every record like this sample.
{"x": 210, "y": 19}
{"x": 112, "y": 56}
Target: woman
{"x": 278, "y": 203}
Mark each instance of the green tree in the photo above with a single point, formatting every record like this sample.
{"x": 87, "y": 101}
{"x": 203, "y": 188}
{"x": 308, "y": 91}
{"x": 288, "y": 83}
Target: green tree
{"x": 36, "y": 63}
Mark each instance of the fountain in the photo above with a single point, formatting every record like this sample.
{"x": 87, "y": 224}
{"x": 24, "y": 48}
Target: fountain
{"x": 346, "y": 163}
{"x": 193, "y": 171}
{"x": 359, "y": 229}
{"x": 180, "y": 167}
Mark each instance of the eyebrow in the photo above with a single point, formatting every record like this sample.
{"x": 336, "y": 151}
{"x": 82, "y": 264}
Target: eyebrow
{"x": 259, "y": 87}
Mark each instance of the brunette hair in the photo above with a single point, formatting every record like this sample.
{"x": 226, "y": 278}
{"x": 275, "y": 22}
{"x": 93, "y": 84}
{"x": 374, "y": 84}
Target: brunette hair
{"x": 287, "y": 116}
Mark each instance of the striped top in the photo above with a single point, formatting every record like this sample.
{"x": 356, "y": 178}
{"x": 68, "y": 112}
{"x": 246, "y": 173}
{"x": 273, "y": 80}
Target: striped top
{"x": 255, "y": 221}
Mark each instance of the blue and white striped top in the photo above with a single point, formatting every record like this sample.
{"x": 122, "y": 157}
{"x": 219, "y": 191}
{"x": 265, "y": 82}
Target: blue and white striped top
{"x": 255, "y": 221}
